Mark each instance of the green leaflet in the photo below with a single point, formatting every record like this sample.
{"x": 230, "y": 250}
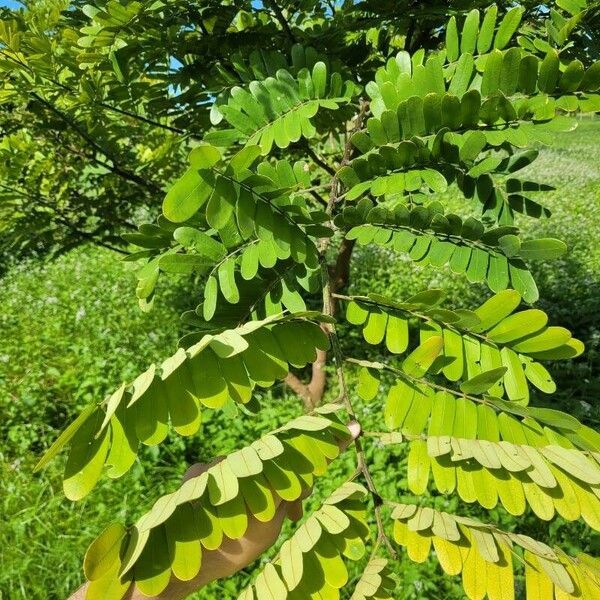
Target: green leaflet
{"x": 518, "y": 325}
{"x": 508, "y": 26}
{"x": 86, "y": 458}
{"x": 399, "y": 402}
{"x": 187, "y": 196}
{"x": 452, "y": 40}
{"x": 64, "y": 438}
{"x": 572, "y": 77}
{"x": 547, "y": 338}
{"x": 214, "y": 371}
{"x": 258, "y": 498}
{"x": 431, "y": 237}
{"x": 184, "y": 264}
{"x": 233, "y": 517}
{"x": 420, "y": 360}
{"x": 474, "y": 144}
{"x": 573, "y": 7}
{"x": 469, "y": 32}
{"x": 492, "y": 73}
{"x": 368, "y": 384}
{"x": 396, "y": 335}
{"x": 221, "y": 204}
{"x": 278, "y": 110}
{"x": 515, "y": 382}
{"x": 185, "y": 551}
{"x": 505, "y": 361}
{"x": 418, "y": 467}
{"x": 151, "y": 571}
{"x": 483, "y": 382}
{"x": 124, "y": 443}
{"x": 109, "y": 587}
{"x": 103, "y": 553}
{"x": 542, "y": 249}
{"x": 486, "y": 33}
{"x": 591, "y": 79}
{"x": 549, "y": 72}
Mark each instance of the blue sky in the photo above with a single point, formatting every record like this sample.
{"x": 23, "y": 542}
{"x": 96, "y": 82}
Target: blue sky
{"x": 10, "y": 3}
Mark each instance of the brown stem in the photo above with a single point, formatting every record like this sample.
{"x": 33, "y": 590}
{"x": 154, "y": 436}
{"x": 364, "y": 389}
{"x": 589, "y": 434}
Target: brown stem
{"x": 312, "y": 392}
{"x": 348, "y": 149}
{"x": 338, "y": 278}
{"x": 362, "y": 466}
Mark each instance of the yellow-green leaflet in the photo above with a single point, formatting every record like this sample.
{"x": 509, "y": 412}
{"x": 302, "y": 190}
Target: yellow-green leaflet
{"x": 103, "y": 553}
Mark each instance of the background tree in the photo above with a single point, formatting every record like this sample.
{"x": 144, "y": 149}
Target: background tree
{"x": 102, "y": 104}
{"x": 266, "y": 233}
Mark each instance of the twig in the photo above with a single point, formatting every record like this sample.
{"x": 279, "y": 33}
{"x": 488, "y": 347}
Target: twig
{"x": 146, "y": 120}
{"x": 348, "y": 149}
{"x": 384, "y": 367}
{"x": 282, "y": 20}
{"x": 491, "y": 401}
{"x": 318, "y": 197}
{"x": 115, "y": 168}
{"x": 320, "y": 161}
{"x": 413, "y": 313}
{"x": 362, "y": 466}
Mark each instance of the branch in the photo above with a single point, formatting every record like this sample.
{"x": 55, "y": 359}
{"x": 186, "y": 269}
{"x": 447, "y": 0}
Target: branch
{"x": 340, "y": 275}
{"x": 320, "y": 161}
{"x": 124, "y": 173}
{"x": 338, "y": 279}
{"x": 411, "y": 313}
{"x": 106, "y": 245}
{"x": 423, "y": 381}
{"x": 146, "y": 120}
{"x": 60, "y": 218}
{"x": 348, "y": 149}
{"x": 282, "y": 20}
{"x": 311, "y": 393}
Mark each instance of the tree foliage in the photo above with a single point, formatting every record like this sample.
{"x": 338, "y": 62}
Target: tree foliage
{"x": 101, "y": 103}
{"x": 306, "y": 153}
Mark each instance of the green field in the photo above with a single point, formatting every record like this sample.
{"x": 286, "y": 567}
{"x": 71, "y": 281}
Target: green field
{"x": 71, "y": 331}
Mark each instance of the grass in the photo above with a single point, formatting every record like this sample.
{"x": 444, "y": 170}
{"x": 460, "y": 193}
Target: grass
{"x": 71, "y": 331}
